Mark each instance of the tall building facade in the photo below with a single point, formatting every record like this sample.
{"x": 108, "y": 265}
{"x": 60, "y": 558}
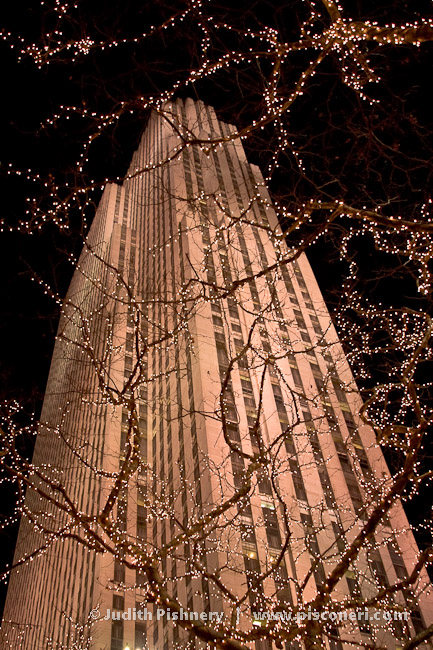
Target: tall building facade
{"x": 200, "y": 452}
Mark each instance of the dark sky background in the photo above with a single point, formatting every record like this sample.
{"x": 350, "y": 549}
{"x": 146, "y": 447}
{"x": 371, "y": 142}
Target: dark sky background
{"x": 358, "y": 153}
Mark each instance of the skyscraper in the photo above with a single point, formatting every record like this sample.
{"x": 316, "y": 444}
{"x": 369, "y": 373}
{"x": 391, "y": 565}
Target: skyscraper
{"x": 201, "y": 468}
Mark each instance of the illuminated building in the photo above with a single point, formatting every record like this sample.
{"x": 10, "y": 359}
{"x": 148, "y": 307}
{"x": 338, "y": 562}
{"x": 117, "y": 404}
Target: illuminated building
{"x": 184, "y": 305}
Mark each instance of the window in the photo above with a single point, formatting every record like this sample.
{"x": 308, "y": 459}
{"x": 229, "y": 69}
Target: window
{"x": 118, "y": 602}
{"x": 397, "y": 562}
{"x": 298, "y": 482}
{"x": 341, "y": 396}
{"x": 252, "y": 571}
{"x": 296, "y": 377}
{"x": 264, "y": 483}
{"x": 352, "y": 583}
{"x": 217, "y": 320}
{"x": 233, "y": 310}
{"x": 350, "y": 423}
{"x": 237, "y": 468}
{"x": 271, "y": 527}
{"x": 141, "y": 521}
{"x": 140, "y": 634}
{"x": 378, "y": 569}
{"x": 417, "y": 621}
{"x": 221, "y": 353}
{"x": 299, "y": 319}
{"x": 117, "y": 635}
{"x": 119, "y": 572}
{"x": 233, "y": 432}
{"x": 247, "y": 387}
{"x": 284, "y": 594}
{"x": 140, "y": 579}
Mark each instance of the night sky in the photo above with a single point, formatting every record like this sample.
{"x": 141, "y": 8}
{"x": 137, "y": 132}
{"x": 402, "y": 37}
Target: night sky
{"x": 362, "y": 153}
